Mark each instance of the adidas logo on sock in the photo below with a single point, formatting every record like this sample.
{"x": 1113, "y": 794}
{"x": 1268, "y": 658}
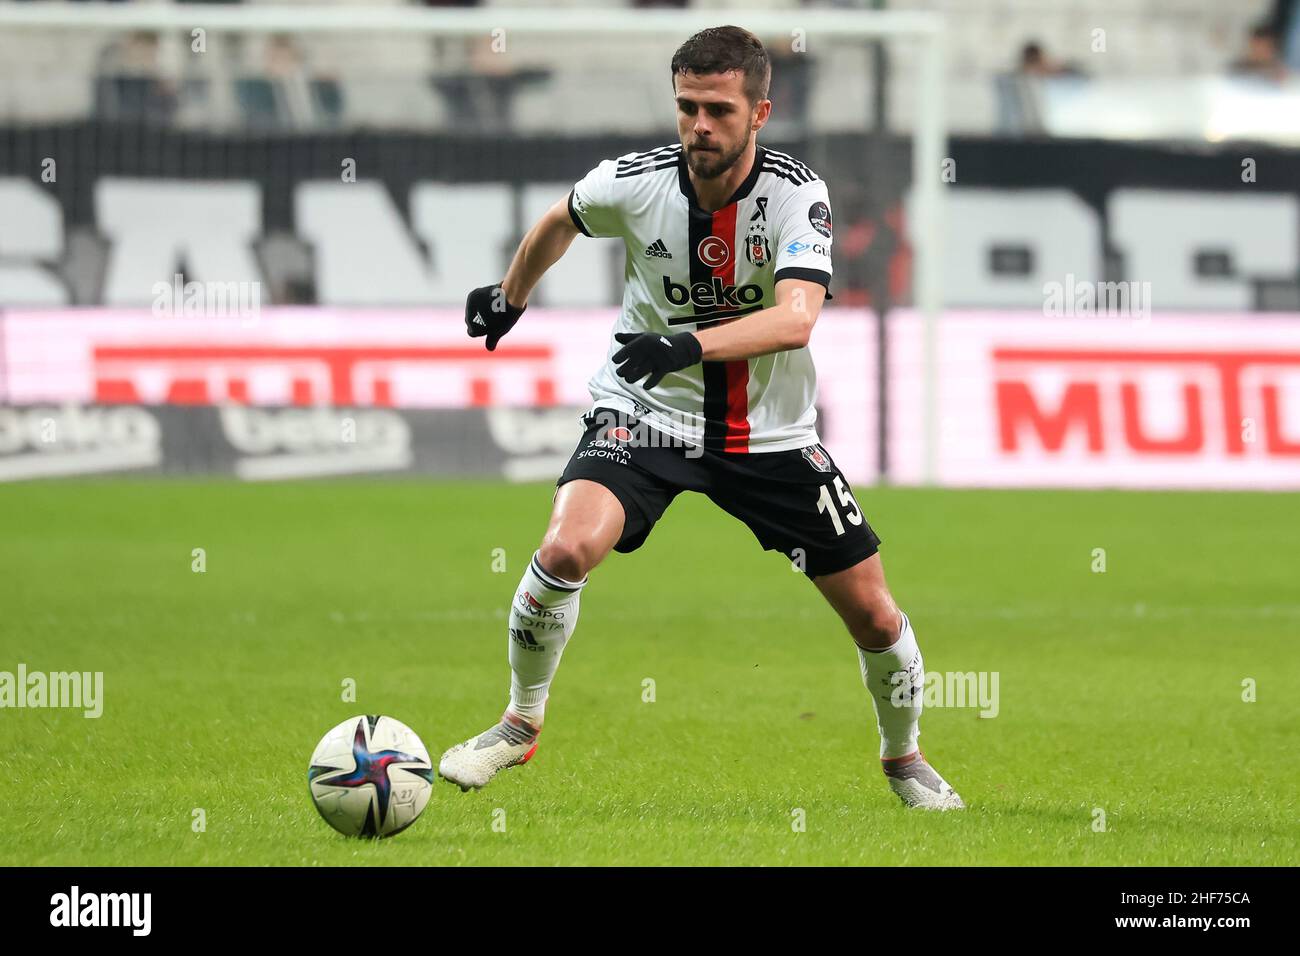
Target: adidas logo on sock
{"x": 524, "y": 638}
{"x": 657, "y": 248}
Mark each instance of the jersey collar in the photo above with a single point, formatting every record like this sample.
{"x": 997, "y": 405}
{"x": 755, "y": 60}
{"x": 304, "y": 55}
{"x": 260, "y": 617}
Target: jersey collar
{"x": 743, "y": 190}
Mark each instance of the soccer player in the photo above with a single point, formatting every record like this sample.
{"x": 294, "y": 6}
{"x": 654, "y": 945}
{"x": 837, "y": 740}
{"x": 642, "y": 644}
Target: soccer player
{"x": 709, "y": 387}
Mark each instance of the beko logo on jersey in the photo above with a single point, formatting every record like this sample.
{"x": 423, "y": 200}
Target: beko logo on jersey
{"x": 715, "y": 294}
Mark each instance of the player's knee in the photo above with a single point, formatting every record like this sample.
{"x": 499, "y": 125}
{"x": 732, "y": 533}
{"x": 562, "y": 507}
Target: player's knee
{"x": 876, "y": 626}
{"x": 566, "y": 557}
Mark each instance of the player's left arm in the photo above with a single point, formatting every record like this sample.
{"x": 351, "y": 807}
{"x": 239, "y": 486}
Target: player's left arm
{"x": 802, "y": 239}
{"x": 803, "y": 274}
{"x": 786, "y": 325}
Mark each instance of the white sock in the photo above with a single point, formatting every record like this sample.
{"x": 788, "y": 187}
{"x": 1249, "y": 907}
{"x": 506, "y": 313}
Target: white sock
{"x": 899, "y": 726}
{"x": 542, "y": 618}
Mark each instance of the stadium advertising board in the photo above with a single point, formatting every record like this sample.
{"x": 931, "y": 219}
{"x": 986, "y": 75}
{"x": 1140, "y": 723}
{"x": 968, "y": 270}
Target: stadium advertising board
{"x": 1173, "y": 401}
{"x": 300, "y": 392}
{"x": 1170, "y": 401}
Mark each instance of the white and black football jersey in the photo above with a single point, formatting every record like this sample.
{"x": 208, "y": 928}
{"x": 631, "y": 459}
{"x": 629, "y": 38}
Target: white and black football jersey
{"x": 688, "y": 268}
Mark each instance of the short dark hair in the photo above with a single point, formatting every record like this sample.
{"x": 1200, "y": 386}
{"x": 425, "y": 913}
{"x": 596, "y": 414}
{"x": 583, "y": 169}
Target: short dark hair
{"x": 723, "y": 49}
{"x": 1264, "y": 31}
{"x": 1031, "y": 52}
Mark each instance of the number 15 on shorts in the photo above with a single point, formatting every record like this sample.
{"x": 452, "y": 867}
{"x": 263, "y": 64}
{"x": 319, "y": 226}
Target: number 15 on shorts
{"x": 826, "y": 505}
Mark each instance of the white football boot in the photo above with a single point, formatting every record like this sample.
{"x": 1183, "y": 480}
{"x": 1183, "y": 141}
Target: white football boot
{"x": 919, "y": 785}
{"x": 472, "y": 764}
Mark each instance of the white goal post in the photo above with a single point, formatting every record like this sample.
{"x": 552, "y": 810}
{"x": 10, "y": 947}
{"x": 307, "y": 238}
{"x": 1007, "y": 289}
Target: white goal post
{"x": 927, "y": 28}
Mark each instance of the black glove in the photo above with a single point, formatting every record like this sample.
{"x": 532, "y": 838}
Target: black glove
{"x": 488, "y": 313}
{"x": 656, "y": 354}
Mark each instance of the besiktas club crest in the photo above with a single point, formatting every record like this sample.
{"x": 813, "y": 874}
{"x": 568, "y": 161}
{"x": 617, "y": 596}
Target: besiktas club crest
{"x": 814, "y": 455}
{"x": 757, "y": 251}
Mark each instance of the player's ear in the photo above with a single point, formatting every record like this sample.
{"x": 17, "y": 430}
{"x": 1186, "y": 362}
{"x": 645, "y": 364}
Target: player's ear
{"x": 762, "y": 111}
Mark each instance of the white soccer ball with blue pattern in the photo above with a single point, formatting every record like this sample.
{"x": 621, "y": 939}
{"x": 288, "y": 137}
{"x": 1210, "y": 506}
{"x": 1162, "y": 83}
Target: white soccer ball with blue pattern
{"x": 370, "y": 777}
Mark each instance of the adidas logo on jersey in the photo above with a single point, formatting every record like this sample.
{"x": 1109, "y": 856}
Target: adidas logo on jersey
{"x": 657, "y": 248}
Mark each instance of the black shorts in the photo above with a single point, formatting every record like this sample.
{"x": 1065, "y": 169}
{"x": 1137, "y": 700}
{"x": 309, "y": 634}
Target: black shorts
{"x": 796, "y": 502}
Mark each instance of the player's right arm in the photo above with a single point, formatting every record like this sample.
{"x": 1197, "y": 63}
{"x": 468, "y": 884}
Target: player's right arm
{"x": 541, "y": 248}
{"x": 589, "y": 209}
{"x": 493, "y": 310}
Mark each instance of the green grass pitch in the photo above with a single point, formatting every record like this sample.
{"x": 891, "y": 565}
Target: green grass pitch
{"x": 1120, "y": 692}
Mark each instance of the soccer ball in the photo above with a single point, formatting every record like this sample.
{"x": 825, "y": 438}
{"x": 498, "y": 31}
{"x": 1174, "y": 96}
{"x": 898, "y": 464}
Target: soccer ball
{"x": 370, "y": 776}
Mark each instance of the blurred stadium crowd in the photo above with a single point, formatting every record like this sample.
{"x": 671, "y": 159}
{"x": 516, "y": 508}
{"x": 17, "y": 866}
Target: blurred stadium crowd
{"x": 1071, "y": 67}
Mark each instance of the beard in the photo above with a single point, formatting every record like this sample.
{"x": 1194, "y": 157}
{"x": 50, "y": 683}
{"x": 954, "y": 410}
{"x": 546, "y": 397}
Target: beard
{"x": 711, "y": 164}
